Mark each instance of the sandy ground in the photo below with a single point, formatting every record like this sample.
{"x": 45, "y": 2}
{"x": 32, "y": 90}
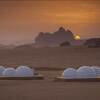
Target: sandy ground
{"x": 48, "y": 90}
{"x": 55, "y": 57}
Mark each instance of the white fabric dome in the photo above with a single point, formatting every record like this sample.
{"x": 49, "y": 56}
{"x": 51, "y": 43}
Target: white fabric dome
{"x": 97, "y": 70}
{"x": 9, "y": 72}
{"x": 85, "y": 72}
{"x": 23, "y": 71}
{"x": 1, "y": 70}
{"x": 69, "y": 73}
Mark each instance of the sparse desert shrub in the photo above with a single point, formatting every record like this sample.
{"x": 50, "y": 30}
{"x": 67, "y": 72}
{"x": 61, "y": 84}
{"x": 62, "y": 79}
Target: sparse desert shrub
{"x": 64, "y": 44}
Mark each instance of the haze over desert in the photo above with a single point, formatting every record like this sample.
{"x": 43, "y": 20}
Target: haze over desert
{"x": 49, "y": 50}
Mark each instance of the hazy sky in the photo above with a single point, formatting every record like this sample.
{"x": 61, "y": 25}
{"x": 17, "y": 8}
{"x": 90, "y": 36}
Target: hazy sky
{"x": 22, "y": 20}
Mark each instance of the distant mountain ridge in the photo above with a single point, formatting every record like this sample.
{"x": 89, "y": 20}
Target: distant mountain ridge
{"x": 93, "y": 42}
{"x": 61, "y": 37}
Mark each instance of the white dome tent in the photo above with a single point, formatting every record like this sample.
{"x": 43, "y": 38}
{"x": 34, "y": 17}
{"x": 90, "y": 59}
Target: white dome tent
{"x": 9, "y": 72}
{"x": 1, "y": 70}
{"x": 69, "y": 73}
{"x": 24, "y": 71}
{"x": 86, "y": 72}
{"x": 97, "y": 70}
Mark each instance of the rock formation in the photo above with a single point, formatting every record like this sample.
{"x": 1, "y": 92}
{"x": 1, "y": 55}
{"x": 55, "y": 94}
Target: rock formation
{"x": 54, "y": 39}
{"x": 93, "y": 42}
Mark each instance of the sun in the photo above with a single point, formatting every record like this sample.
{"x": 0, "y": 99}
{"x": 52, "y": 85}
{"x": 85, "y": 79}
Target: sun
{"x": 77, "y": 37}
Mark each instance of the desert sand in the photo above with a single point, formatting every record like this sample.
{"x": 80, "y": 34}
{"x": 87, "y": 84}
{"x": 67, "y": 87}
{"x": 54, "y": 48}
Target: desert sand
{"x": 55, "y": 57}
{"x": 48, "y": 90}
{"x": 55, "y": 60}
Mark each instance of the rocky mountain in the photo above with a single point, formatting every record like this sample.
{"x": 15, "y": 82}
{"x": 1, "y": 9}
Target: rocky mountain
{"x": 54, "y": 39}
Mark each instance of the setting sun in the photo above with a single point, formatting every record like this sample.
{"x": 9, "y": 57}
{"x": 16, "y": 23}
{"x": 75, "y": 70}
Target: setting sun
{"x": 77, "y": 37}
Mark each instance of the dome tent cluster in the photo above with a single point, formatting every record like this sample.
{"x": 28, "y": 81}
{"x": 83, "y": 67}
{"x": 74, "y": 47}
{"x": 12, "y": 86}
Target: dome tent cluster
{"x": 21, "y": 71}
{"x": 82, "y": 72}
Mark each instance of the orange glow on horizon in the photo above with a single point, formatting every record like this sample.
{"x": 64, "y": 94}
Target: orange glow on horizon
{"x": 22, "y": 20}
